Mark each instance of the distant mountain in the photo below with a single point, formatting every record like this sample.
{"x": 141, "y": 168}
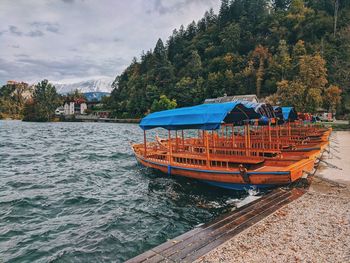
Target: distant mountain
{"x": 94, "y": 85}
{"x": 95, "y": 96}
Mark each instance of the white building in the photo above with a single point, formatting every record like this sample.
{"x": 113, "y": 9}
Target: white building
{"x": 59, "y": 111}
{"x": 77, "y": 106}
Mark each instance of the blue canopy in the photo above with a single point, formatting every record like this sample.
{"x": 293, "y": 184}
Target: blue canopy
{"x": 289, "y": 114}
{"x": 204, "y": 116}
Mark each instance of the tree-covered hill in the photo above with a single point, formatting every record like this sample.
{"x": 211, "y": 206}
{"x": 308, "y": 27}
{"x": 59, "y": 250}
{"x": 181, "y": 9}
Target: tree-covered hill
{"x": 294, "y": 51}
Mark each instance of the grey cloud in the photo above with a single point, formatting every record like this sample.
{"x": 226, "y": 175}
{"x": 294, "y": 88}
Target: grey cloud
{"x": 50, "y": 27}
{"x": 117, "y": 39}
{"x": 35, "y": 33}
{"x": 14, "y": 46}
{"x": 163, "y": 7}
{"x": 35, "y": 69}
{"x": 105, "y": 35}
{"x": 21, "y": 55}
{"x": 15, "y": 31}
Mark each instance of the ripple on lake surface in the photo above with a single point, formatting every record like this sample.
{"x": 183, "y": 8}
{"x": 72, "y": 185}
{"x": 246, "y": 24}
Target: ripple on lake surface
{"x": 74, "y": 192}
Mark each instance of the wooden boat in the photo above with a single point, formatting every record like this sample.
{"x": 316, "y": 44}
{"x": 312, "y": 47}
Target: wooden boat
{"x": 218, "y": 161}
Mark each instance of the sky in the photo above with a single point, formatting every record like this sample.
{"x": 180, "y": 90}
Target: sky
{"x": 72, "y": 40}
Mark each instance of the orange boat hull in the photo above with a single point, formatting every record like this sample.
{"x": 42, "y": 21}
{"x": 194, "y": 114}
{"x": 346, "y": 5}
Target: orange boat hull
{"x": 232, "y": 178}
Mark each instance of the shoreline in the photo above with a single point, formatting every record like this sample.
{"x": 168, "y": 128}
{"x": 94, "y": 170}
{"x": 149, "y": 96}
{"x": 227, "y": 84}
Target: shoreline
{"x": 316, "y": 227}
{"x": 82, "y": 120}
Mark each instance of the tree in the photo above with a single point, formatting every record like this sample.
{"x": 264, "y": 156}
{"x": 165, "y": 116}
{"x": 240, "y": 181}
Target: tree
{"x": 163, "y": 104}
{"x": 336, "y": 9}
{"x": 194, "y": 65}
{"x": 261, "y": 53}
{"x": 76, "y": 94}
{"x": 230, "y": 37}
{"x": 280, "y": 4}
{"x": 313, "y": 71}
{"x": 250, "y": 47}
{"x": 291, "y": 93}
{"x": 12, "y": 99}
{"x": 283, "y": 59}
{"x": 332, "y": 97}
{"x": 44, "y": 103}
{"x": 224, "y": 12}
{"x": 182, "y": 92}
{"x": 159, "y": 50}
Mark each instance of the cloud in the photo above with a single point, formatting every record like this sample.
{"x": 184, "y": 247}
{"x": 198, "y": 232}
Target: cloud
{"x": 15, "y": 31}
{"x": 172, "y": 6}
{"x": 47, "y": 26}
{"x": 68, "y": 1}
{"x": 117, "y": 39}
{"x": 70, "y": 39}
{"x": 51, "y": 69}
{"x": 35, "y": 33}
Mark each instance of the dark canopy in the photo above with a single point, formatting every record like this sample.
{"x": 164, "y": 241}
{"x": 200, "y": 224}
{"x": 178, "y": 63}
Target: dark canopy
{"x": 278, "y": 113}
{"x": 289, "y": 114}
{"x": 262, "y": 108}
{"x": 204, "y": 116}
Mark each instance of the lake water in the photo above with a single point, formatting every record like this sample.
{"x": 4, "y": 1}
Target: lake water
{"x": 73, "y": 192}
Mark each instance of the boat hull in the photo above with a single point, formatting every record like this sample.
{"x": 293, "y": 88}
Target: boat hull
{"x": 232, "y": 179}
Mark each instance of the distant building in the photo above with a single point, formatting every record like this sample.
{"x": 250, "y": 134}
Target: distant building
{"x": 251, "y": 98}
{"x": 76, "y": 106}
{"x": 59, "y": 111}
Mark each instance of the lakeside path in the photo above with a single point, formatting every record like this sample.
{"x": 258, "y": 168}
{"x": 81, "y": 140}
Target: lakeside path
{"x": 314, "y": 228}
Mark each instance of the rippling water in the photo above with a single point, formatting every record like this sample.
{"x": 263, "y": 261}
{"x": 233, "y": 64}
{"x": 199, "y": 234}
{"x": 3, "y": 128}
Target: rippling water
{"x": 73, "y": 192}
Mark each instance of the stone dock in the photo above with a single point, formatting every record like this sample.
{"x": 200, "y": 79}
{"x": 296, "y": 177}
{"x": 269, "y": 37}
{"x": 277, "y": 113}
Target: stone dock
{"x": 299, "y": 225}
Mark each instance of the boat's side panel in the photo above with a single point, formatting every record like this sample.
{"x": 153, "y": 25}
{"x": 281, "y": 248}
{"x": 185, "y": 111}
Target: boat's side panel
{"x": 299, "y": 168}
{"x": 254, "y": 178}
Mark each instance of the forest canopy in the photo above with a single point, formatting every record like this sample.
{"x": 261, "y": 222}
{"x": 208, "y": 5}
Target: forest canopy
{"x": 288, "y": 51}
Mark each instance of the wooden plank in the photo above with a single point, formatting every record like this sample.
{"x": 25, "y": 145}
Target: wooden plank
{"x": 172, "y": 244}
{"x": 231, "y": 233}
{"x": 144, "y": 257}
{"x": 201, "y": 240}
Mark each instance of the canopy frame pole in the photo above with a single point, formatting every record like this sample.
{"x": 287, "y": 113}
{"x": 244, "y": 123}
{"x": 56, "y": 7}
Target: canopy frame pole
{"x": 170, "y": 147}
{"x": 233, "y": 136}
{"x": 176, "y": 140}
{"x": 145, "y": 143}
{"x": 262, "y": 137}
{"x": 213, "y": 140}
{"x": 207, "y": 147}
{"x": 203, "y": 138}
{"x": 269, "y": 131}
{"x": 183, "y": 139}
{"x": 248, "y": 137}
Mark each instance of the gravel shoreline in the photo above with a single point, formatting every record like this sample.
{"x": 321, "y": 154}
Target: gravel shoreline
{"x": 314, "y": 228}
